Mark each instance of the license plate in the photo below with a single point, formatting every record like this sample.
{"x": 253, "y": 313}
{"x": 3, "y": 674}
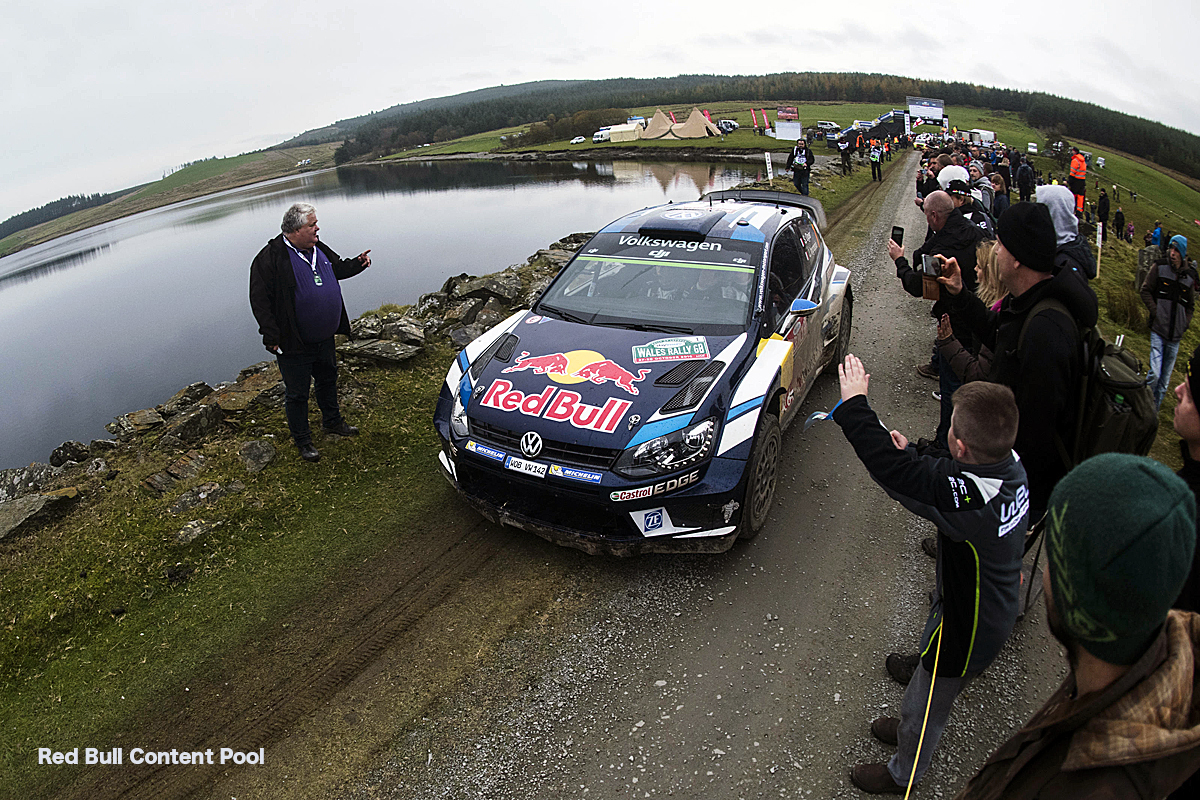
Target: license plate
{"x": 527, "y": 467}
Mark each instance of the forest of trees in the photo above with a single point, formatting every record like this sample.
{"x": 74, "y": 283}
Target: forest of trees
{"x": 417, "y": 123}
{"x": 54, "y": 210}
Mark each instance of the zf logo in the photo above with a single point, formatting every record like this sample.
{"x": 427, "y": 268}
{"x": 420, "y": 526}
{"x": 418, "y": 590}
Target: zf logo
{"x": 653, "y": 520}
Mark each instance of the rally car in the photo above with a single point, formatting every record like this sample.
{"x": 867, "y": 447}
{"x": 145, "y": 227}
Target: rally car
{"x": 638, "y": 406}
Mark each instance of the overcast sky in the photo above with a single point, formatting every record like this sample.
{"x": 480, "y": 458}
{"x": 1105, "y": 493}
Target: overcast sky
{"x": 99, "y": 96}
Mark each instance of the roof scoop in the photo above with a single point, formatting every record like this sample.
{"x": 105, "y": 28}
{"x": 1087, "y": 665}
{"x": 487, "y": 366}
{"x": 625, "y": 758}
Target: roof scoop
{"x": 687, "y": 223}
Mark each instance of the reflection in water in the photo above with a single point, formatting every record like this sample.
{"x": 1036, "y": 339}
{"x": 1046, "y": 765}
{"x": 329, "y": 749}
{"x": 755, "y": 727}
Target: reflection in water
{"x": 121, "y": 316}
{"x": 41, "y": 268}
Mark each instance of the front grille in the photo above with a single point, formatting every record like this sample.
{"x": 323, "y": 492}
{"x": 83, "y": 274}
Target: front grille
{"x": 568, "y": 453}
{"x": 557, "y": 505}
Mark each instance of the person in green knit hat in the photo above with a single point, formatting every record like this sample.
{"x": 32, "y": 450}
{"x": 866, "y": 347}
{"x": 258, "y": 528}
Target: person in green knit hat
{"x": 1120, "y": 535}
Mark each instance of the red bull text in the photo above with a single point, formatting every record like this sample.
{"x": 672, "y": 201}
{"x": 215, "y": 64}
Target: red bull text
{"x": 557, "y": 405}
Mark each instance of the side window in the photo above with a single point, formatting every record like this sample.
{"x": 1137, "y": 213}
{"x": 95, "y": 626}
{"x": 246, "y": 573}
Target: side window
{"x": 787, "y": 270}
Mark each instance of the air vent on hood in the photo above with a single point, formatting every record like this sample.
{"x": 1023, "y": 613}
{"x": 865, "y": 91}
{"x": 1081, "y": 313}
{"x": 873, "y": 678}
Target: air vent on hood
{"x": 680, "y": 374}
{"x": 501, "y": 349}
{"x": 694, "y": 392}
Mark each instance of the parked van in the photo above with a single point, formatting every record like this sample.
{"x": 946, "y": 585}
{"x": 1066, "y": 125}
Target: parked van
{"x": 828, "y": 127}
{"x": 601, "y": 135}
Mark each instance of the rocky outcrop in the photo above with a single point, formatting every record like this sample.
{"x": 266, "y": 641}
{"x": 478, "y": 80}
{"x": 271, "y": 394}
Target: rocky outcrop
{"x": 461, "y": 310}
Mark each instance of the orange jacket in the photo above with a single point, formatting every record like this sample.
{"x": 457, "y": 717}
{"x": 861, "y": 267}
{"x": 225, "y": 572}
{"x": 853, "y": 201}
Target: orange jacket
{"x": 1078, "y": 166}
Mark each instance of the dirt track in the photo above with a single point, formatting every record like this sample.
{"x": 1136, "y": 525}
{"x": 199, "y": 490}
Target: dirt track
{"x": 484, "y": 662}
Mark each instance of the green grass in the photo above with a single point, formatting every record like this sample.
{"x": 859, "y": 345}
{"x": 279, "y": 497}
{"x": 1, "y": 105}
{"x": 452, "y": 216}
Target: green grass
{"x": 199, "y": 172}
{"x": 72, "y": 671}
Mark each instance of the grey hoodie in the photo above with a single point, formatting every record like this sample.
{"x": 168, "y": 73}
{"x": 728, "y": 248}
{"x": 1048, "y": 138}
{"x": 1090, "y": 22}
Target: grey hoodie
{"x": 1072, "y": 250}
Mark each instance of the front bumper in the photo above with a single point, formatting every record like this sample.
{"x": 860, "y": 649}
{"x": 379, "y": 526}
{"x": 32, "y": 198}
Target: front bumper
{"x": 701, "y": 519}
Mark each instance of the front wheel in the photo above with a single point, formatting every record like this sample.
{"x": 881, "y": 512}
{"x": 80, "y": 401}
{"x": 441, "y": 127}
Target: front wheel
{"x": 760, "y": 482}
{"x": 843, "y": 341}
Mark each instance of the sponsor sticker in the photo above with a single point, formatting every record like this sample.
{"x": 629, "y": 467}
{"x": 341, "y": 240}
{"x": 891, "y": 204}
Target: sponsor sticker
{"x": 577, "y": 366}
{"x": 655, "y": 489}
{"x": 532, "y": 318}
{"x": 485, "y": 451}
{"x": 556, "y": 405}
{"x": 527, "y": 467}
{"x": 653, "y": 520}
{"x": 675, "y": 348}
{"x": 570, "y": 473}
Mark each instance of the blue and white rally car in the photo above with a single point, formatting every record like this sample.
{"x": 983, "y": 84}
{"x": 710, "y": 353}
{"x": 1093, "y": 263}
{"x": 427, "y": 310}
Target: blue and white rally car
{"x": 638, "y": 406}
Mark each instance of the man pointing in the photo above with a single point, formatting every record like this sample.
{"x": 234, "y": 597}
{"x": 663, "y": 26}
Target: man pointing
{"x": 295, "y": 297}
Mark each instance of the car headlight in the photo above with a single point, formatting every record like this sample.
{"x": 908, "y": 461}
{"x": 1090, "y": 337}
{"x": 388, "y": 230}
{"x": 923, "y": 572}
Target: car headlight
{"x": 669, "y": 453}
{"x": 458, "y": 414}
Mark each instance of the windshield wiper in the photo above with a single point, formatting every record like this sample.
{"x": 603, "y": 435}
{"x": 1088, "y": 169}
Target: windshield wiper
{"x": 647, "y": 326}
{"x": 567, "y": 315}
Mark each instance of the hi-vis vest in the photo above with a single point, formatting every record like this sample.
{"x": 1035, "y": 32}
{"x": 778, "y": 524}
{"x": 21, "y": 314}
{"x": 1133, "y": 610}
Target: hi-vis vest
{"x": 1078, "y": 166}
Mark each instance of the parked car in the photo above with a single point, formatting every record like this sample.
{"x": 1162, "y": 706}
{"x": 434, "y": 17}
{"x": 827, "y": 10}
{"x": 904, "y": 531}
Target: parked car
{"x": 1031, "y": 148}
{"x": 639, "y": 405}
{"x": 579, "y": 140}
{"x": 727, "y": 125}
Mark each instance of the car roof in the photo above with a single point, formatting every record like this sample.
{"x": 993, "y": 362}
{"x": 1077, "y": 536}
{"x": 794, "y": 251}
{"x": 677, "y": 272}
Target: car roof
{"x": 747, "y": 215}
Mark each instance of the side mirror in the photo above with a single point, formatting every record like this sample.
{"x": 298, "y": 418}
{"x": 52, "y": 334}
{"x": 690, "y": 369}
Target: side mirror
{"x": 804, "y": 308}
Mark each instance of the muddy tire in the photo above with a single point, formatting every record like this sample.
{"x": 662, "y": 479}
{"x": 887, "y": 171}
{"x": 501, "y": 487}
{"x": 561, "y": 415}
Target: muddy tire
{"x": 761, "y": 477}
{"x": 843, "y": 341}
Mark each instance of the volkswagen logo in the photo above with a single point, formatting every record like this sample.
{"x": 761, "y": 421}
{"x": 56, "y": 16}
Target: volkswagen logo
{"x": 531, "y": 444}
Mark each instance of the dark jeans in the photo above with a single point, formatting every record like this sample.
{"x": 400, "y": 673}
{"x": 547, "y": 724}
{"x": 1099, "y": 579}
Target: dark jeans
{"x": 876, "y": 171}
{"x": 800, "y": 180}
{"x": 315, "y": 365}
{"x": 948, "y": 384}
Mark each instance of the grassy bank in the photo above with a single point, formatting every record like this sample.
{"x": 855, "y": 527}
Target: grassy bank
{"x": 197, "y": 180}
{"x": 105, "y": 613}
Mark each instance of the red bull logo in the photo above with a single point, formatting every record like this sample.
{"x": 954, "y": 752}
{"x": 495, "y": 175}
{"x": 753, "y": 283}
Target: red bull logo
{"x": 576, "y": 366}
{"x": 556, "y": 405}
{"x": 606, "y": 370}
{"x": 554, "y": 362}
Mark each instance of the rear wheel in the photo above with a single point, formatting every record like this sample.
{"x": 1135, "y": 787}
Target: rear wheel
{"x": 843, "y": 341}
{"x": 760, "y": 482}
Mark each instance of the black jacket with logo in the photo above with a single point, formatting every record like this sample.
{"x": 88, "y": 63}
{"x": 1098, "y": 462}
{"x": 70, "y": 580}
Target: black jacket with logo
{"x": 981, "y": 512}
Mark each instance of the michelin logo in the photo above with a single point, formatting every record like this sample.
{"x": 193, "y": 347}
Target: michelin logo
{"x": 583, "y": 476}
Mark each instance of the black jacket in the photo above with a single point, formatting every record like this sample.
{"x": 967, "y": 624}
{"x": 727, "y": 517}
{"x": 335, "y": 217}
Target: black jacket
{"x": 957, "y": 239}
{"x": 1189, "y": 596}
{"x": 981, "y": 512}
{"x": 1102, "y": 208}
{"x": 273, "y": 293}
{"x": 1076, "y": 254}
{"x": 1043, "y": 371}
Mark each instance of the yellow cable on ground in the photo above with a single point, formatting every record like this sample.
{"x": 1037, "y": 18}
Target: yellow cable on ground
{"x": 928, "y": 703}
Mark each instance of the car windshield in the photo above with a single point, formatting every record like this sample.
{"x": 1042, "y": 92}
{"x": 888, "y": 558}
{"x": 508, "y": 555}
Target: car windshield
{"x": 634, "y": 281}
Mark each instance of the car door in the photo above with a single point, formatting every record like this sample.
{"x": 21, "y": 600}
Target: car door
{"x": 789, "y": 276}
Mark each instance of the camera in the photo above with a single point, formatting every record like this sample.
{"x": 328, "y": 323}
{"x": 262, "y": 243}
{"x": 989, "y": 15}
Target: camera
{"x": 931, "y": 265}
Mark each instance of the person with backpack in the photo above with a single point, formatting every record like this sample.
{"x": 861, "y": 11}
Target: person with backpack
{"x": 956, "y": 182}
{"x": 1169, "y": 292}
{"x": 1035, "y": 338}
{"x": 1026, "y": 180}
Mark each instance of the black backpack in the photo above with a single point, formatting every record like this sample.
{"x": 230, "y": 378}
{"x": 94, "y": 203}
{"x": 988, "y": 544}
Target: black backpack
{"x": 1114, "y": 408}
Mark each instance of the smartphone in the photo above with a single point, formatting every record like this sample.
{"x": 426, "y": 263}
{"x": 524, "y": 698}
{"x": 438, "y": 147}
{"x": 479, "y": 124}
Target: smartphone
{"x": 898, "y": 235}
{"x": 931, "y": 266}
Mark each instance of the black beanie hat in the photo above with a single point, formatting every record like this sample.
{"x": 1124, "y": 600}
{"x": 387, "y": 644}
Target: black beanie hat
{"x": 1120, "y": 533}
{"x": 1026, "y": 231}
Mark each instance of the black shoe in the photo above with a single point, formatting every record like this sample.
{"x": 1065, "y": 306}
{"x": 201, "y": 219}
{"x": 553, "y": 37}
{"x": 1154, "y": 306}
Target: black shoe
{"x": 929, "y": 545}
{"x": 885, "y": 729}
{"x": 927, "y": 371}
{"x": 901, "y": 668}
{"x": 875, "y": 779}
{"x": 342, "y": 429}
{"x": 309, "y": 453}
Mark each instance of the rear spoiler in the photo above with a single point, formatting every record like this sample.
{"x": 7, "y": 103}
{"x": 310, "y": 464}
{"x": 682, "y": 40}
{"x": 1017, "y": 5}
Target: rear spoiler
{"x": 769, "y": 197}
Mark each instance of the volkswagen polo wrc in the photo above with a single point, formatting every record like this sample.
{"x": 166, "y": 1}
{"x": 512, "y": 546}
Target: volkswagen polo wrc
{"x": 638, "y": 405}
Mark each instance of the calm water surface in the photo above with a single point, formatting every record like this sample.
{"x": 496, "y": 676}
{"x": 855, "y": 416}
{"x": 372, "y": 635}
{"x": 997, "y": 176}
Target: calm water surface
{"x": 121, "y": 316}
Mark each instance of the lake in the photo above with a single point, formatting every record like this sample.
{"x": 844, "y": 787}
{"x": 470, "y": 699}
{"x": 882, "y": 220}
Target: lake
{"x": 121, "y": 316}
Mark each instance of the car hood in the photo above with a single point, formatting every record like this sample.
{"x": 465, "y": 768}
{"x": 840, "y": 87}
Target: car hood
{"x": 594, "y": 386}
